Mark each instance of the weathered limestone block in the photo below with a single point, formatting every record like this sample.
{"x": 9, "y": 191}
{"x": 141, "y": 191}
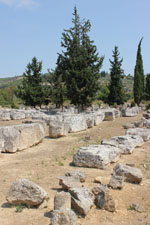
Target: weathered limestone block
{"x": 100, "y": 188}
{"x": 63, "y": 217}
{"x": 99, "y": 117}
{"x": 46, "y": 118}
{"x": 62, "y": 200}
{"x": 143, "y": 132}
{"x": 96, "y": 156}
{"x": 137, "y": 207}
{"x": 126, "y": 143}
{"x": 17, "y": 115}
{"x": 82, "y": 200}
{"x": 58, "y": 129}
{"x": 69, "y": 182}
{"x": 9, "y": 139}
{"x": 130, "y": 112}
{"x": 23, "y": 191}
{"x": 76, "y": 174}
{"x": 130, "y": 174}
{"x": 146, "y": 122}
{"x": 5, "y": 115}
{"x": 105, "y": 201}
{"x": 19, "y": 137}
{"x": 117, "y": 113}
{"x": 76, "y": 122}
{"x": 116, "y": 182}
{"x": 1, "y": 142}
{"x": 146, "y": 115}
{"x": 109, "y": 115}
{"x": 42, "y": 122}
{"x": 90, "y": 118}
{"x": 139, "y": 124}
{"x": 28, "y": 114}
{"x": 129, "y": 125}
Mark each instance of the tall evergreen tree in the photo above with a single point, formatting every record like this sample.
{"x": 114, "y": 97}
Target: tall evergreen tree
{"x": 116, "y": 93}
{"x": 58, "y": 85}
{"x": 147, "y": 89}
{"x": 138, "y": 88}
{"x": 31, "y": 90}
{"x": 80, "y": 63}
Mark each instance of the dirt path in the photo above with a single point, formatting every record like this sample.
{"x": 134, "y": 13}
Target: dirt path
{"x": 45, "y": 162}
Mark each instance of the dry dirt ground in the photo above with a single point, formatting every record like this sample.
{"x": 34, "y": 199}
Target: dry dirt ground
{"x": 45, "y": 162}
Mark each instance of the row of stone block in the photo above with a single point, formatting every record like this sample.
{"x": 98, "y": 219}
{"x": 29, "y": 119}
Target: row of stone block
{"x": 110, "y": 113}
{"x": 99, "y": 156}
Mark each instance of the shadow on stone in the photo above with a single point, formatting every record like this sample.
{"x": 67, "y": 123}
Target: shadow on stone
{"x": 6, "y": 205}
{"x": 57, "y": 189}
{"x": 72, "y": 164}
{"x": 48, "y": 214}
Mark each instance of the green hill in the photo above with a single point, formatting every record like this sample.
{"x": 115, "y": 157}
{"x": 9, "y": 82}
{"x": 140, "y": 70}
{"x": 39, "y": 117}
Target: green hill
{"x": 10, "y": 81}
{"x": 127, "y": 82}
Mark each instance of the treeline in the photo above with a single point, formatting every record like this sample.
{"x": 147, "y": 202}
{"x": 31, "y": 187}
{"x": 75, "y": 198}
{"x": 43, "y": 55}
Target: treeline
{"x": 76, "y": 77}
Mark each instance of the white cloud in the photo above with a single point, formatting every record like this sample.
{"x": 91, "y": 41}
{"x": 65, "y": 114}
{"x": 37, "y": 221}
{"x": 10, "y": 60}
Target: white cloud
{"x": 20, "y": 3}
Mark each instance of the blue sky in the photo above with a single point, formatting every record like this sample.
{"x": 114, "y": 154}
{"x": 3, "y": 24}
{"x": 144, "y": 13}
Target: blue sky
{"x": 31, "y": 28}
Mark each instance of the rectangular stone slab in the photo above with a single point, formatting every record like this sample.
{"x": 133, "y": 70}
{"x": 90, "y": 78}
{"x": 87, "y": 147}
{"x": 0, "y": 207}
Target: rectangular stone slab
{"x": 126, "y": 143}
{"x": 96, "y": 156}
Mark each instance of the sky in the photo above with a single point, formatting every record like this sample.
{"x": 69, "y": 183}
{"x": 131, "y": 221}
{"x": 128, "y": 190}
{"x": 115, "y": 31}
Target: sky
{"x": 31, "y": 28}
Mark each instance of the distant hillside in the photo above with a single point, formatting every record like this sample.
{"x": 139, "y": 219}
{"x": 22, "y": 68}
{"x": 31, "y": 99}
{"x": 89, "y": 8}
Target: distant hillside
{"x": 127, "y": 82}
{"x": 10, "y": 81}
{"x": 15, "y": 81}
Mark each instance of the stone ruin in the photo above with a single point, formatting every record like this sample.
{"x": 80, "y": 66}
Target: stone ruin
{"x": 40, "y": 123}
{"x": 75, "y": 194}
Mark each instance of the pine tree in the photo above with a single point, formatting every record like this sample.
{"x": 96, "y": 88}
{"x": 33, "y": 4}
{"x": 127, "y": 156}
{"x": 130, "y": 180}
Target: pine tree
{"x": 31, "y": 90}
{"x": 147, "y": 89}
{"x": 116, "y": 92}
{"x": 138, "y": 77}
{"x": 80, "y": 63}
{"x": 58, "y": 85}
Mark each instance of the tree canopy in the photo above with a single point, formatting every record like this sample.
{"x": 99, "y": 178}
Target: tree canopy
{"x": 79, "y": 62}
{"x": 147, "y": 89}
{"x": 116, "y": 92}
{"x": 31, "y": 90}
{"x": 138, "y": 88}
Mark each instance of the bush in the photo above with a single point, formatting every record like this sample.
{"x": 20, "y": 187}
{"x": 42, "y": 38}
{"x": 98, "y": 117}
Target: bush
{"x": 128, "y": 96}
{"x": 115, "y": 105}
{"x": 133, "y": 104}
{"x": 103, "y": 93}
{"x": 147, "y": 105}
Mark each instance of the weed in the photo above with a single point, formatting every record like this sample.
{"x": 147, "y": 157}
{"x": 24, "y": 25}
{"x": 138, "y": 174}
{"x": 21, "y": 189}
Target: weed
{"x": 132, "y": 207}
{"x": 56, "y": 159}
{"x": 47, "y": 199}
{"x": 60, "y": 163}
{"x": 20, "y": 207}
{"x": 64, "y": 157}
{"x": 145, "y": 224}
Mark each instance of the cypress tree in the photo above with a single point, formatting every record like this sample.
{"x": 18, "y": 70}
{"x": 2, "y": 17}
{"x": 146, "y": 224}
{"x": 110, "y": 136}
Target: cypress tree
{"x": 31, "y": 90}
{"x": 116, "y": 93}
{"x": 138, "y": 88}
{"x": 147, "y": 89}
{"x": 80, "y": 63}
